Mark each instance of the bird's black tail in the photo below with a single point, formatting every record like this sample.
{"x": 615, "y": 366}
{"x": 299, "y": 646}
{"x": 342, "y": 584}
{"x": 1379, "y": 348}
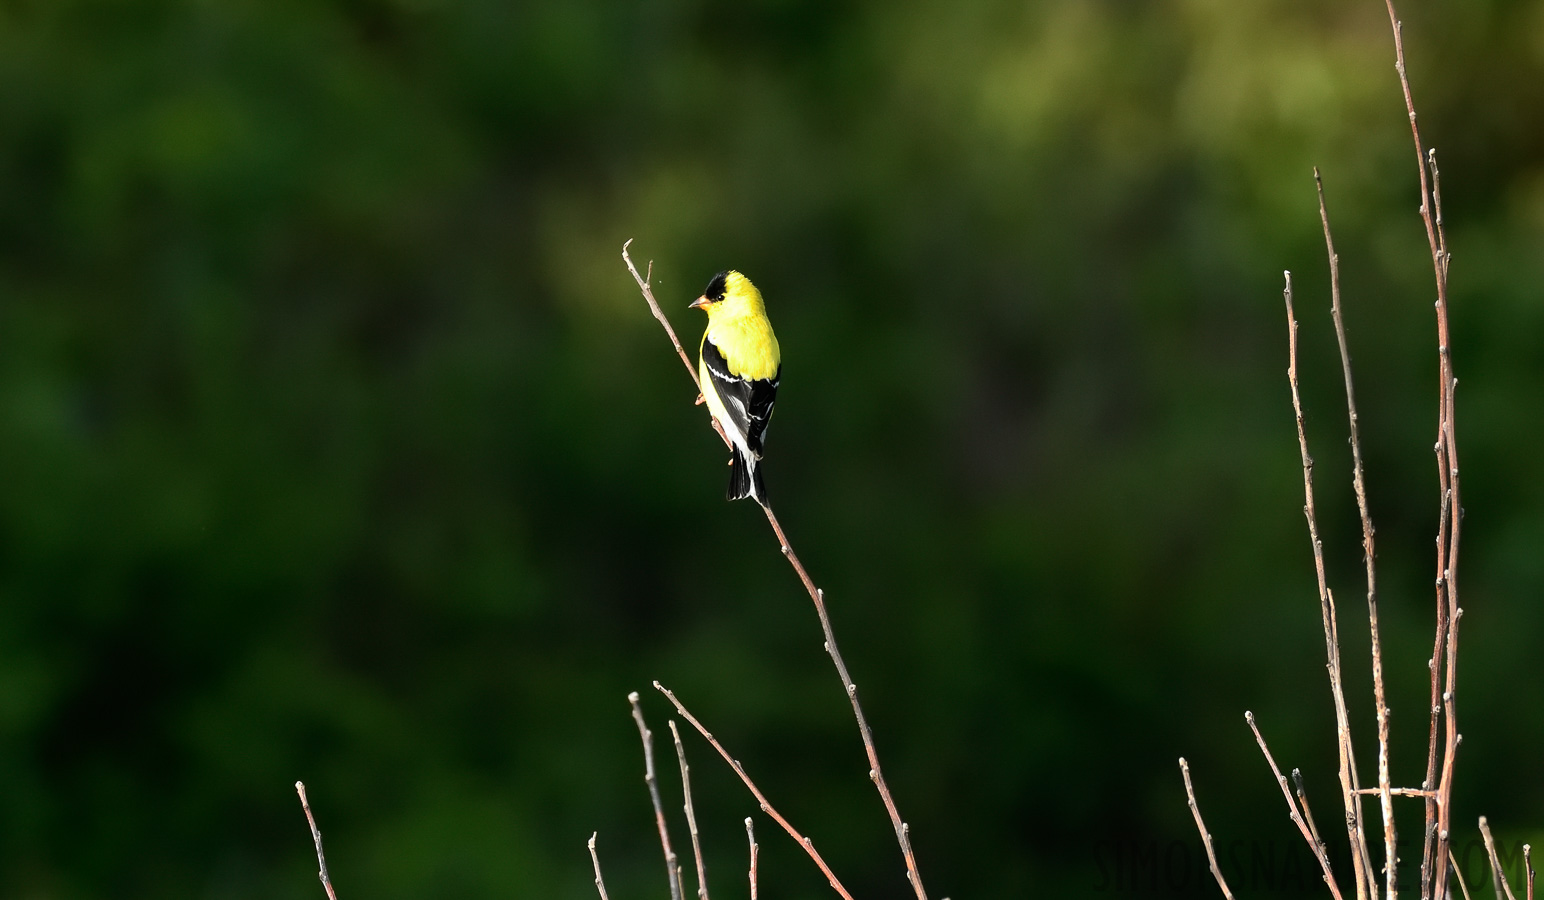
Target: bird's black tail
{"x": 745, "y": 479}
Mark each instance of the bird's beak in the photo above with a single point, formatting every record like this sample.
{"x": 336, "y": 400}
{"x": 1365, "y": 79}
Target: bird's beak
{"x": 699, "y": 303}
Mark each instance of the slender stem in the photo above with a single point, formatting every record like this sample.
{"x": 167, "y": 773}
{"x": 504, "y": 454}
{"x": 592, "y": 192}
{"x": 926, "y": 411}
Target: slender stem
{"x": 750, "y": 835}
{"x": 766, "y": 806}
{"x": 1206, "y": 837}
{"x": 691, "y": 815}
{"x": 1359, "y": 484}
{"x": 1437, "y": 837}
{"x": 1313, "y": 843}
{"x": 672, "y": 867}
{"x": 1302, "y": 799}
{"x": 876, "y": 774}
{"x": 316, "y": 836}
{"x": 600, "y": 883}
{"x": 1361, "y": 867}
{"x": 1528, "y": 864}
{"x": 1458, "y": 871}
{"x": 1498, "y": 873}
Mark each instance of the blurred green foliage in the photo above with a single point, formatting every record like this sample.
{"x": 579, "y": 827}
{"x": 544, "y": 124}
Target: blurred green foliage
{"x": 338, "y": 445}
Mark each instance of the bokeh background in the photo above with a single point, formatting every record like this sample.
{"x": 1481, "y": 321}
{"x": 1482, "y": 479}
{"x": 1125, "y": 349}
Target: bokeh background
{"x": 337, "y": 444}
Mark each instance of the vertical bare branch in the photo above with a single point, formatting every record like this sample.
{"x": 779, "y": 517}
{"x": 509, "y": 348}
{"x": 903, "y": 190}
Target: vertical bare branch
{"x": 600, "y": 883}
{"x": 1497, "y": 872}
{"x": 672, "y": 867}
{"x": 316, "y": 836}
{"x": 1206, "y": 836}
{"x": 691, "y": 815}
{"x": 1297, "y": 819}
{"x": 1528, "y": 864}
{"x": 876, "y": 774}
{"x": 750, "y": 835}
{"x": 766, "y": 807}
{"x": 1359, "y": 484}
{"x": 1362, "y": 868}
{"x": 1437, "y": 838}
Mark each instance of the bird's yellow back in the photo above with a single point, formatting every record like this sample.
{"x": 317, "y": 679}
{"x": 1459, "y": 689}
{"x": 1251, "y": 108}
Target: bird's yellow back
{"x": 739, "y": 328}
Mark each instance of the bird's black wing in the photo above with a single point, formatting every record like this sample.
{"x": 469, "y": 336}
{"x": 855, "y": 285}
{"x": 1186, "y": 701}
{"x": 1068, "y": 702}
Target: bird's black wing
{"x": 747, "y": 400}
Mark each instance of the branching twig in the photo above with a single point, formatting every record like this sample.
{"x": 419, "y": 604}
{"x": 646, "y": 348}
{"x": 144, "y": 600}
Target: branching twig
{"x": 1302, "y": 799}
{"x": 1313, "y": 842}
{"x": 316, "y": 835}
{"x": 691, "y": 815}
{"x": 1348, "y": 779}
{"x": 600, "y": 883}
{"x": 1499, "y": 874}
{"x": 750, "y": 835}
{"x": 672, "y": 867}
{"x": 1206, "y": 837}
{"x": 876, "y": 774}
{"x": 766, "y": 807}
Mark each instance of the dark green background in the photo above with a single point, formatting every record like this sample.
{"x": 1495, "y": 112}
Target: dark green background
{"x": 337, "y": 444}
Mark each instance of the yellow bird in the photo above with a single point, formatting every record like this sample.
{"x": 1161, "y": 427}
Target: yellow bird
{"x": 738, "y": 366}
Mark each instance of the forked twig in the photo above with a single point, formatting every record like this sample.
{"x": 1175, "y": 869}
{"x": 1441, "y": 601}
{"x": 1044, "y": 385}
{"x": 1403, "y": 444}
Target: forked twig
{"x": 691, "y": 815}
{"x": 672, "y": 867}
{"x": 1297, "y": 819}
{"x": 1348, "y": 780}
{"x": 876, "y": 774}
{"x": 766, "y": 806}
{"x": 750, "y": 835}
{"x": 1497, "y": 872}
{"x": 600, "y": 883}
{"x": 1302, "y": 799}
{"x": 1206, "y": 836}
{"x": 316, "y": 836}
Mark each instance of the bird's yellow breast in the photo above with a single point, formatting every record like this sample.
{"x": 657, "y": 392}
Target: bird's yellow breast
{"x": 748, "y": 344}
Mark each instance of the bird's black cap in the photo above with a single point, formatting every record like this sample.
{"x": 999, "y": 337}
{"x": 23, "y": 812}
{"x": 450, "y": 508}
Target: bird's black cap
{"x": 715, "y": 289}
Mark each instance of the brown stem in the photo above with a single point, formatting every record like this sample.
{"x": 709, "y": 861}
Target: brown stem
{"x": 1528, "y": 864}
{"x": 316, "y": 836}
{"x": 1361, "y": 866}
{"x": 1297, "y": 818}
{"x": 1458, "y": 871}
{"x": 1359, "y": 484}
{"x": 1206, "y": 837}
{"x": 750, "y": 835}
{"x": 1302, "y": 799}
{"x": 691, "y": 815}
{"x": 672, "y": 867}
{"x": 600, "y": 883}
{"x": 1437, "y": 838}
{"x": 766, "y": 807}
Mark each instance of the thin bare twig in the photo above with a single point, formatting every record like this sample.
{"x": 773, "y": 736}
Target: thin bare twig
{"x": 1206, "y": 836}
{"x": 691, "y": 815}
{"x": 1313, "y": 842}
{"x": 1359, "y": 484}
{"x": 1302, "y": 799}
{"x": 600, "y": 883}
{"x": 1361, "y": 867}
{"x": 1457, "y": 870}
{"x": 672, "y": 867}
{"x": 750, "y": 835}
{"x": 1499, "y": 874}
{"x": 766, "y": 806}
{"x": 876, "y": 774}
{"x": 1438, "y": 826}
{"x": 1528, "y": 864}
{"x": 316, "y": 836}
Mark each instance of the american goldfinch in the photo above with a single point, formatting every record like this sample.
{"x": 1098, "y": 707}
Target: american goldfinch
{"x": 738, "y": 367}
